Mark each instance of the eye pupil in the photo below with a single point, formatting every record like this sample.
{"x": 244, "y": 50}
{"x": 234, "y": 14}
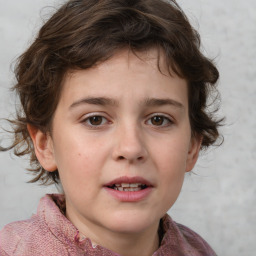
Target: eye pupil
{"x": 95, "y": 120}
{"x": 157, "y": 120}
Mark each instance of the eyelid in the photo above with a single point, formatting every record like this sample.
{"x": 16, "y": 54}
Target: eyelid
{"x": 86, "y": 117}
{"x": 90, "y": 114}
{"x": 166, "y": 116}
{"x": 161, "y": 114}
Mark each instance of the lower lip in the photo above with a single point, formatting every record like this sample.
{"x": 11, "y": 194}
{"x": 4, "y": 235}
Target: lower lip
{"x": 129, "y": 196}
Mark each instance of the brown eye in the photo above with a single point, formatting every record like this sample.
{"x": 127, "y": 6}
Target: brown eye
{"x": 160, "y": 121}
{"x": 95, "y": 120}
{"x": 157, "y": 120}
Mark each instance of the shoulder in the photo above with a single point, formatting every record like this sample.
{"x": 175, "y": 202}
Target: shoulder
{"x": 185, "y": 241}
{"x": 195, "y": 240}
{"x": 17, "y": 236}
{"x": 34, "y": 236}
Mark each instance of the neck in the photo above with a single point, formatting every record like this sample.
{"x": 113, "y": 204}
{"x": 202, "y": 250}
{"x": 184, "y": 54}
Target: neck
{"x": 126, "y": 244}
{"x": 129, "y": 244}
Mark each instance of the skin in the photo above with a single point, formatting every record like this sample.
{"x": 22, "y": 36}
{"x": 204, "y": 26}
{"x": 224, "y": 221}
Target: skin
{"x": 125, "y": 139}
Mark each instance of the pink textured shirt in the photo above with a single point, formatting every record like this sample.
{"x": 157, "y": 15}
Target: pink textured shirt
{"x": 49, "y": 232}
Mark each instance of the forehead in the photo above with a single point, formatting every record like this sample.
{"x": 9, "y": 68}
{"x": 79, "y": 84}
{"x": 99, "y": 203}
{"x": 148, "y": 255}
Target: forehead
{"x": 131, "y": 75}
{"x": 151, "y": 59}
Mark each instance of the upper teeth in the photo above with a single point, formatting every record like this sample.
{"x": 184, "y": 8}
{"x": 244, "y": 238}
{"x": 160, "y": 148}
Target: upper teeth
{"x": 129, "y": 185}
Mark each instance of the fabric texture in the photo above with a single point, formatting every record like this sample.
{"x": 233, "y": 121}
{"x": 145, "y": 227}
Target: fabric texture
{"x": 49, "y": 232}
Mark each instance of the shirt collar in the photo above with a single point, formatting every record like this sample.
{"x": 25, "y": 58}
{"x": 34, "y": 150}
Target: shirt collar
{"x": 52, "y": 210}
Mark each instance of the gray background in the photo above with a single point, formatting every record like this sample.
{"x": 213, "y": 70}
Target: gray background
{"x": 218, "y": 200}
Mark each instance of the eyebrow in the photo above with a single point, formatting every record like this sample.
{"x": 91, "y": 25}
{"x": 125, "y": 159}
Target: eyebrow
{"x": 104, "y": 101}
{"x": 151, "y": 102}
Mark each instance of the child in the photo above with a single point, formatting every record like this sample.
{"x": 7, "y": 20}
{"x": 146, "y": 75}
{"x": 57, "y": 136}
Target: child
{"x": 113, "y": 107}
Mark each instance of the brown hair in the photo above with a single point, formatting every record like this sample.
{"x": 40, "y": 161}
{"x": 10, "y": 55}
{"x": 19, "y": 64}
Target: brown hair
{"x": 83, "y": 33}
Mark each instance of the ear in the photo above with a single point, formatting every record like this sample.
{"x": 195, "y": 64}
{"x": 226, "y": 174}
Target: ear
{"x": 43, "y": 147}
{"x": 193, "y": 153}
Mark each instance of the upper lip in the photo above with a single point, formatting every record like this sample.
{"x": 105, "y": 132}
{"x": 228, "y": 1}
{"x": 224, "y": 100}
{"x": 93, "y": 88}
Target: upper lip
{"x": 130, "y": 180}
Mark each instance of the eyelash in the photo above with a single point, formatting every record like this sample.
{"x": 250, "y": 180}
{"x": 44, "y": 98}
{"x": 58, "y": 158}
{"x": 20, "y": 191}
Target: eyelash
{"x": 166, "y": 121}
{"x": 87, "y": 120}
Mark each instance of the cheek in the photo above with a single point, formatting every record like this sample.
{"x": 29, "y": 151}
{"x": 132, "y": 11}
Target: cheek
{"x": 77, "y": 150}
{"x": 172, "y": 154}
{"x": 170, "y": 161}
{"x": 78, "y": 174}
{"x": 80, "y": 161}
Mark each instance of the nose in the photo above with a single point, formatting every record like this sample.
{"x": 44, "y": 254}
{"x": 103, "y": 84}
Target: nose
{"x": 130, "y": 145}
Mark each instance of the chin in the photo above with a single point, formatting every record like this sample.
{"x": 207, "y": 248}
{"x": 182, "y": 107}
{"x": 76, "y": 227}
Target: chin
{"x": 133, "y": 222}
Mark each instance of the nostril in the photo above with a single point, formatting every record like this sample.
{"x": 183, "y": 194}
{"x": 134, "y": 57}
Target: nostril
{"x": 123, "y": 158}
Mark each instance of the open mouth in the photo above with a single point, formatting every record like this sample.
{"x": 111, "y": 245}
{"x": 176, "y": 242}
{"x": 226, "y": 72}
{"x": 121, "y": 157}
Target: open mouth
{"x": 132, "y": 187}
{"x": 129, "y": 189}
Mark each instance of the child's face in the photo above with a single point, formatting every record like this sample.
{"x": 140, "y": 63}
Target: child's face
{"x": 118, "y": 121}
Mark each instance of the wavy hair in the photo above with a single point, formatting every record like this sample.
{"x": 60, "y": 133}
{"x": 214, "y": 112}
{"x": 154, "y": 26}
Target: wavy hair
{"x": 81, "y": 34}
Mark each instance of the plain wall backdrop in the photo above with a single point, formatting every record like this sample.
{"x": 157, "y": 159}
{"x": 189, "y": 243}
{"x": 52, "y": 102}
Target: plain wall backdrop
{"x": 218, "y": 199}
